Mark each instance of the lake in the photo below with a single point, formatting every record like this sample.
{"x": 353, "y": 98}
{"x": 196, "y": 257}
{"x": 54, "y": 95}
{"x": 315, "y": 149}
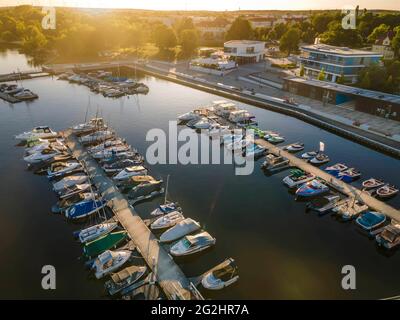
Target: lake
{"x": 282, "y": 252}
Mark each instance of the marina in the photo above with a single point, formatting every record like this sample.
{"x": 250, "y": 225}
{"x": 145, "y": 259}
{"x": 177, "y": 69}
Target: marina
{"x": 273, "y": 235}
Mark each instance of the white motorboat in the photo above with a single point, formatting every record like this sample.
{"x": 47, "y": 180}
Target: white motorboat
{"x": 130, "y": 172}
{"x": 192, "y": 115}
{"x": 216, "y": 130}
{"x": 69, "y": 181}
{"x": 73, "y": 190}
{"x": 240, "y": 116}
{"x": 120, "y": 165}
{"x": 43, "y": 132}
{"x": 297, "y": 177}
{"x": 92, "y": 124}
{"x": 225, "y": 109}
{"x": 273, "y": 162}
{"x": 110, "y": 261}
{"x": 231, "y": 138}
{"x": 56, "y": 145}
{"x": 240, "y": 145}
{"x": 180, "y": 230}
{"x": 97, "y": 136}
{"x": 203, "y": 123}
{"x": 192, "y": 244}
{"x": 167, "y": 221}
{"x": 221, "y": 276}
{"x": 61, "y": 168}
{"x": 25, "y": 94}
{"x": 40, "y": 156}
{"x": 274, "y": 138}
{"x": 309, "y": 154}
{"x": 295, "y": 147}
{"x": 115, "y": 150}
{"x": 319, "y": 159}
{"x": 96, "y": 231}
{"x": 254, "y": 151}
{"x": 106, "y": 144}
{"x": 166, "y": 208}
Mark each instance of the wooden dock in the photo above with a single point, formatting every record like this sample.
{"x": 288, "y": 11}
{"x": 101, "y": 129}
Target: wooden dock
{"x": 333, "y": 182}
{"x": 169, "y": 276}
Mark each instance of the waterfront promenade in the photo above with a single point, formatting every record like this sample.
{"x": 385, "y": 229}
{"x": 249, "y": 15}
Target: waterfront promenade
{"x": 168, "y": 274}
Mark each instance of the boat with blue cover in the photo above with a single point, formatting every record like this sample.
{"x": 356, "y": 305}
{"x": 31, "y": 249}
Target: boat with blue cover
{"x": 371, "y": 220}
{"x": 349, "y": 175}
{"x": 84, "y": 209}
{"x": 336, "y": 168}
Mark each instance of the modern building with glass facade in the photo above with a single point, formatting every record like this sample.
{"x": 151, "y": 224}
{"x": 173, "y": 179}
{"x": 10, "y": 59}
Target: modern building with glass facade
{"x": 336, "y": 61}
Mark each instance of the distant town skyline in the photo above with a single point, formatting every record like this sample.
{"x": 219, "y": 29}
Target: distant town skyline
{"x": 212, "y": 5}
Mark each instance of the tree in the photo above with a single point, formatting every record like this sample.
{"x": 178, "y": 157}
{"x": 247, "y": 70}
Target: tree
{"x": 341, "y": 79}
{"x": 164, "y": 37}
{"x": 280, "y": 30}
{"x": 189, "y": 41}
{"x": 378, "y": 32}
{"x": 396, "y": 42}
{"x": 302, "y": 71}
{"x": 320, "y": 21}
{"x": 183, "y": 24}
{"x": 322, "y": 75}
{"x": 338, "y": 36}
{"x": 240, "y": 30}
{"x": 289, "y": 42}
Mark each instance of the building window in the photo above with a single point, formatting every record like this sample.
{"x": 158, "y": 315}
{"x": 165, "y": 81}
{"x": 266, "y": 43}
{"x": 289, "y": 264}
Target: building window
{"x": 250, "y": 50}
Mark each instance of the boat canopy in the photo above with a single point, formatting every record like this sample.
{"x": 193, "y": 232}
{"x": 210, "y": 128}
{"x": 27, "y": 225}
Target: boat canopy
{"x": 124, "y": 274}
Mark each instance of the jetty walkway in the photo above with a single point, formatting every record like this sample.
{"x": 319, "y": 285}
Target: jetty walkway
{"x": 168, "y": 274}
{"x": 335, "y": 183}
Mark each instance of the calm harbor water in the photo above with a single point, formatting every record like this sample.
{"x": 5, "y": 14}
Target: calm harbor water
{"x": 282, "y": 251}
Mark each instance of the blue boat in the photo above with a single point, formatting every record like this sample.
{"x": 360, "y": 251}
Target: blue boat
{"x": 84, "y": 208}
{"x": 311, "y": 189}
{"x": 336, "y": 169}
{"x": 371, "y": 220}
{"x": 349, "y": 175}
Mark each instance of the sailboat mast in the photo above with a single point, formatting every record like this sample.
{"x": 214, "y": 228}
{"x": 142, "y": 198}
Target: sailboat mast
{"x": 166, "y": 191}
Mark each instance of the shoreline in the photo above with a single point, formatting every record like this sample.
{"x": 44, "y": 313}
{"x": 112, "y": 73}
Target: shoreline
{"x": 376, "y": 142}
{"x": 343, "y": 130}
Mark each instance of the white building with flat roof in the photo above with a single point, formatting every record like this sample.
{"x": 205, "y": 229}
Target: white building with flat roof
{"x": 245, "y": 51}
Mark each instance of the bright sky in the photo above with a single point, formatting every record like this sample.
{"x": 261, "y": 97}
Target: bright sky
{"x": 213, "y": 4}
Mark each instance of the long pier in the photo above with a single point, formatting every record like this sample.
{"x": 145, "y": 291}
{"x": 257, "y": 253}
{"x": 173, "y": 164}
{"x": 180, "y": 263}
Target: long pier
{"x": 335, "y": 183}
{"x": 168, "y": 274}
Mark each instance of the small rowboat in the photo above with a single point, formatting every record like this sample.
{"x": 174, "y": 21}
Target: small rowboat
{"x": 372, "y": 183}
{"x": 387, "y": 191}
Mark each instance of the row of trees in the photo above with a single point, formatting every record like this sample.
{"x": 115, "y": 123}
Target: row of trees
{"x": 79, "y": 34}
